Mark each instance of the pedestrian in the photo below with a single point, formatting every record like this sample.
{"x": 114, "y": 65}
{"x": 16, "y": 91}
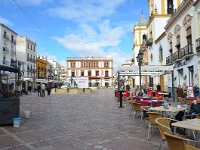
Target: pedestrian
{"x": 29, "y": 89}
{"x": 39, "y": 90}
{"x": 128, "y": 87}
{"x": 179, "y": 93}
{"x": 158, "y": 87}
{"x": 43, "y": 87}
{"x": 49, "y": 89}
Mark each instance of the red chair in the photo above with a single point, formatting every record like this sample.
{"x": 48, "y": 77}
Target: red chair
{"x": 116, "y": 94}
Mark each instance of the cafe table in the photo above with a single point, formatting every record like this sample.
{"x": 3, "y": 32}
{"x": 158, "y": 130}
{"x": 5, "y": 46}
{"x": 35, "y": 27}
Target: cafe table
{"x": 191, "y": 124}
{"x": 171, "y": 110}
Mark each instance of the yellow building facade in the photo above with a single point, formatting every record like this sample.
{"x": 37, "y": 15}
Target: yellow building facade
{"x": 41, "y": 65}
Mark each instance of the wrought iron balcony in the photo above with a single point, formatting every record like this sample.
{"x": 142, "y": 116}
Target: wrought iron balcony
{"x": 169, "y": 60}
{"x": 5, "y": 50}
{"x": 187, "y": 50}
{"x": 198, "y": 45}
{"x": 5, "y": 36}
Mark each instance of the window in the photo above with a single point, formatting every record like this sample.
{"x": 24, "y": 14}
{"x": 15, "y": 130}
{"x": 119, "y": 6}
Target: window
{"x": 106, "y": 64}
{"x": 170, "y": 7}
{"x": 12, "y": 38}
{"x": 89, "y": 73}
{"x": 4, "y": 60}
{"x": 106, "y": 73}
{"x": 72, "y": 64}
{"x": 189, "y": 39}
{"x": 161, "y": 53}
{"x": 82, "y": 73}
{"x": 73, "y": 74}
{"x": 178, "y": 46}
{"x": 97, "y": 73}
{"x": 27, "y": 56}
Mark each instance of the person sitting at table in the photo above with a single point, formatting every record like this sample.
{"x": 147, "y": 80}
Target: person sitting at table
{"x": 193, "y": 111}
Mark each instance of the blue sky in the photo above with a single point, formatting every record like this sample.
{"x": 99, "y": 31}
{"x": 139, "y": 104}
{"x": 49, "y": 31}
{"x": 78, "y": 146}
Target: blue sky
{"x": 76, "y": 28}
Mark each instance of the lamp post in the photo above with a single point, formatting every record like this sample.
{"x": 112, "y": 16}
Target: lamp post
{"x": 139, "y": 60}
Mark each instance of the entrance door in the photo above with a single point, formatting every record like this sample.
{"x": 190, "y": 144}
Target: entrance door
{"x": 180, "y": 77}
{"x": 162, "y": 82}
{"x": 107, "y": 84}
{"x": 191, "y": 76}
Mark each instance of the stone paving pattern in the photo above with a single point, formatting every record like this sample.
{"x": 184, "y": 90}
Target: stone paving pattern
{"x": 77, "y": 122}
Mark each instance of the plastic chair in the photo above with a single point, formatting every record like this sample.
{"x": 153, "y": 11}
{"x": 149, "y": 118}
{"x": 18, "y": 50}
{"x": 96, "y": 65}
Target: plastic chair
{"x": 144, "y": 110}
{"x": 180, "y": 100}
{"x": 152, "y": 121}
{"x": 137, "y": 108}
{"x": 178, "y": 143}
{"x": 164, "y": 127}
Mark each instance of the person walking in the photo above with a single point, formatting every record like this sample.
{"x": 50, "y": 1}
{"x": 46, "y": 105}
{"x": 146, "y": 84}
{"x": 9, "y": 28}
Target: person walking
{"x": 39, "y": 90}
{"x": 49, "y": 89}
{"x": 179, "y": 93}
{"x": 158, "y": 87}
{"x": 43, "y": 89}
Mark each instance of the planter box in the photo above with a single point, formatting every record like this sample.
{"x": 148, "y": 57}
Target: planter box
{"x": 9, "y": 109}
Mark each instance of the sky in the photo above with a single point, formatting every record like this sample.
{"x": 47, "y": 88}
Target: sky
{"x": 76, "y": 28}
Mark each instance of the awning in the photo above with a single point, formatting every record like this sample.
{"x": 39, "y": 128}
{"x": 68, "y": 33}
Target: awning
{"x": 148, "y": 70}
{"x": 10, "y": 69}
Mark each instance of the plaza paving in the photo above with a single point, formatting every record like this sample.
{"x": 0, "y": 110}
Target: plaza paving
{"x": 77, "y": 122}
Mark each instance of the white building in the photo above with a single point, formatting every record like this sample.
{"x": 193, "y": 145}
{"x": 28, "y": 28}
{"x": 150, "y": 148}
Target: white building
{"x": 8, "y": 51}
{"x": 159, "y": 13}
{"x": 55, "y": 70}
{"x": 181, "y": 30}
{"x": 26, "y": 53}
{"x": 98, "y": 69}
{"x": 197, "y": 34}
{"x": 63, "y": 73}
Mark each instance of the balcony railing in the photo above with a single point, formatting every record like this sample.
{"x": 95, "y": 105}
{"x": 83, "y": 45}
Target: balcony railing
{"x": 6, "y": 36}
{"x": 169, "y": 60}
{"x": 5, "y": 50}
{"x": 187, "y": 50}
{"x": 198, "y": 45}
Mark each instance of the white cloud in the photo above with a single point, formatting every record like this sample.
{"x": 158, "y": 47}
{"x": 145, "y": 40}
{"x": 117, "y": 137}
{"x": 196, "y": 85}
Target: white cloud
{"x": 86, "y": 10}
{"x": 5, "y": 21}
{"x": 100, "y": 41}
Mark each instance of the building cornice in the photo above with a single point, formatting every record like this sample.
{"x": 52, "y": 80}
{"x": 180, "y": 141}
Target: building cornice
{"x": 152, "y": 17}
{"x": 8, "y": 28}
{"x": 160, "y": 37}
{"x": 180, "y": 11}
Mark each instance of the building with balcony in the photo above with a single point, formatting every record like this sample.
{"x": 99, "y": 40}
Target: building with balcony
{"x": 63, "y": 74}
{"x": 197, "y": 34}
{"x": 159, "y": 13}
{"x": 8, "y": 51}
{"x": 99, "y": 70}
{"x": 181, "y": 33}
{"x": 55, "y": 70}
{"x": 26, "y": 53}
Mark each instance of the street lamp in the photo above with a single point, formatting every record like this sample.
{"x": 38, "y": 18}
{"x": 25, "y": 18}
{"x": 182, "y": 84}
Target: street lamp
{"x": 139, "y": 60}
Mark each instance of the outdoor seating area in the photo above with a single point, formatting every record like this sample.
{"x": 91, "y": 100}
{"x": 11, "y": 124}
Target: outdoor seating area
{"x": 175, "y": 121}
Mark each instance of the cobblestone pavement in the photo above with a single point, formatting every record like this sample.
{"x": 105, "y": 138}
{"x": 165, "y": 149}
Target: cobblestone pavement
{"x": 77, "y": 122}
